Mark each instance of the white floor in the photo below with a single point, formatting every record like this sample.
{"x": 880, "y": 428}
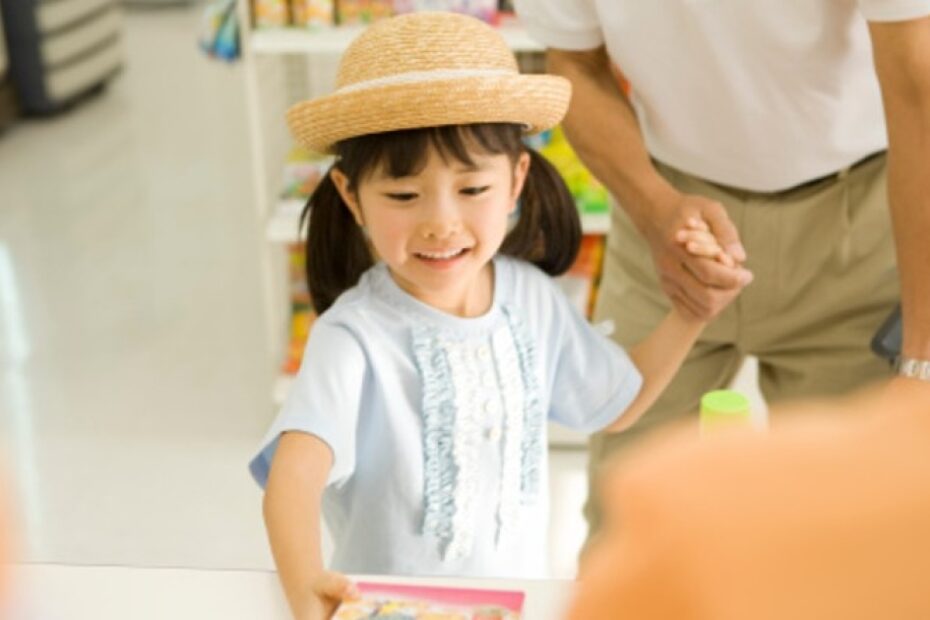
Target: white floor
{"x": 136, "y": 372}
{"x": 135, "y": 367}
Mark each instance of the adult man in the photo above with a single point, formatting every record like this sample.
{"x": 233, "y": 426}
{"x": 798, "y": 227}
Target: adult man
{"x": 765, "y": 119}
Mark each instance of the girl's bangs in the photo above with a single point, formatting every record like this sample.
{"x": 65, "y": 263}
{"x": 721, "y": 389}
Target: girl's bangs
{"x": 404, "y": 153}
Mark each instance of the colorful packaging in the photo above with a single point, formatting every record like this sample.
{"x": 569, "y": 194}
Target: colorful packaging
{"x": 312, "y": 13}
{"x": 354, "y": 12}
{"x": 482, "y": 9}
{"x": 269, "y": 13}
{"x": 413, "y": 602}
{"x": 589, "y": 193}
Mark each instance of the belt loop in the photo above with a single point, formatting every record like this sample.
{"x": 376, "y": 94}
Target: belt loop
{"x": 844, "y": 172}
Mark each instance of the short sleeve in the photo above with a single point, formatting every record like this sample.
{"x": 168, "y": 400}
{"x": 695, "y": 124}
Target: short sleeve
{"x": 594, "y": 380}
{"x": 562, "y": 24}
{"x": 323, "y": 401}
{"x": 893, "y": 10}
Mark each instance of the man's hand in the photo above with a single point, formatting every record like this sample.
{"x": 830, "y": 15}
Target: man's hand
{"x": 699, "y": 286}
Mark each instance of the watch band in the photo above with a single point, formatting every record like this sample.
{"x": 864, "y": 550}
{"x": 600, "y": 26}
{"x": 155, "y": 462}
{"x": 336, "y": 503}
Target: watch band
{"x": 914, "y": 368}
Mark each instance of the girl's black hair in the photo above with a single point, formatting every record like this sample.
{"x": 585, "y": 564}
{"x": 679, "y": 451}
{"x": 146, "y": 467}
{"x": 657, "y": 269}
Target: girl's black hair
{"x": 547, "y": 232}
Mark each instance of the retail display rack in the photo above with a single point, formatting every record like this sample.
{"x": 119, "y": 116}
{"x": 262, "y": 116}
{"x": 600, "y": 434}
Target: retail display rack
{"x": 60, "y": 50}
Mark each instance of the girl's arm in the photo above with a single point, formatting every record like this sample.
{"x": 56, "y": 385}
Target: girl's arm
{"x": 661, "y": 354}
{"x": 291, "y": 509}
{"x": 658, "y": 358}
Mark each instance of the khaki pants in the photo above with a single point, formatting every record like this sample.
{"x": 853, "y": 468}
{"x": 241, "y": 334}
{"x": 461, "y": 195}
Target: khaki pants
{"x": 825, "y": 279}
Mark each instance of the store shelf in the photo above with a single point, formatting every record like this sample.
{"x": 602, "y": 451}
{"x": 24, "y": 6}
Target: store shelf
{"x": 282, "y": 225}
{"x": 595, "y": 223}
{"x": 282, "y": 386}
{"x": 336, "y": 39}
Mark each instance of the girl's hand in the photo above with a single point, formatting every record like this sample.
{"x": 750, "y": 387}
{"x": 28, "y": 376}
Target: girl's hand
{"x": 323, "y": 597}
{"x": 698, "y": 240}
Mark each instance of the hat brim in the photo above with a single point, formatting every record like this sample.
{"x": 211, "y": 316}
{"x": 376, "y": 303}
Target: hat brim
{"x": 536, "y": 101}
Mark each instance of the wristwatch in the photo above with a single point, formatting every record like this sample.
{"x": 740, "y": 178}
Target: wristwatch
{"x": 914, "y": 368}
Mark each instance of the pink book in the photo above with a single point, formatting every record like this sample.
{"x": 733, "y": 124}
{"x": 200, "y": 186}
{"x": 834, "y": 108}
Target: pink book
{"x": 409, "y": 602}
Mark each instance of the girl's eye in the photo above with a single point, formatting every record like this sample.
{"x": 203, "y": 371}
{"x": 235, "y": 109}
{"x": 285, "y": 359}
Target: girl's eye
{"x": 474, "y": 191}
{"x": 401, "y": 196}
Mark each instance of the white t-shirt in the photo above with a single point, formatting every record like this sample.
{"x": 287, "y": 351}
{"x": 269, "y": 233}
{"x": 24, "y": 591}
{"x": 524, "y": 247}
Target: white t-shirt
{"x": 756, "y": 94}
{"x": 437, "y": 423}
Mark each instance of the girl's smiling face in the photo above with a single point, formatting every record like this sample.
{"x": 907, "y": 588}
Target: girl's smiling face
{"x": 437, "y": 228}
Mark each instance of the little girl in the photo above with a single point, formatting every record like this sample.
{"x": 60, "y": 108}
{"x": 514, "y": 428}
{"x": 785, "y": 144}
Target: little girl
{"x": 417, "y": 423}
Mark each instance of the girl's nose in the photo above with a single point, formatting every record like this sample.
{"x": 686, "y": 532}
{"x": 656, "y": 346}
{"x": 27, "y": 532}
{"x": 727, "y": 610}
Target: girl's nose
{"x": 439, "y": 230}
{"x": 441, "y": 222}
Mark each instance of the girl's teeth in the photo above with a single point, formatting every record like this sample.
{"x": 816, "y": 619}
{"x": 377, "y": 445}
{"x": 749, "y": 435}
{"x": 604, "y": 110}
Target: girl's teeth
{"x": 442, "y": 255}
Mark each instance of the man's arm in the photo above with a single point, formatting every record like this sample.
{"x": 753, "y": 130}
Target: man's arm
{"x": 902, "y": 61}
{"x": 603, "y": 129}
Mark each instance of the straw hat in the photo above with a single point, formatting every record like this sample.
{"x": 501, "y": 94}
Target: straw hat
{"x": 426, "y": 70}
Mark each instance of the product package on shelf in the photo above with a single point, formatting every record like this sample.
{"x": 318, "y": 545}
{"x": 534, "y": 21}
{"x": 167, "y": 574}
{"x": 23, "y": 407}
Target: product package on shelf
{"x": 302, "y": 314}
{"x": 313, "y": 13}
{"x": 297, "y": 13}
{"x": 590, "y": 195}
{"x": 482, "y": 9}
{"x": 506, "y": 16}
{"x": 219, "y": 30}
{"x": 414, "y": 602}
{"x": 302, "y": 173}
{"x": 580, "y": 283}
{"x": 269, "y": 13}
{"x": 355, "y": 12}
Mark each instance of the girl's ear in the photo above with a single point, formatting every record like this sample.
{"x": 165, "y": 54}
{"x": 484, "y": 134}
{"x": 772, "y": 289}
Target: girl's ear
{"x": 520, "y": 170}
{"x": 349, "y": 198}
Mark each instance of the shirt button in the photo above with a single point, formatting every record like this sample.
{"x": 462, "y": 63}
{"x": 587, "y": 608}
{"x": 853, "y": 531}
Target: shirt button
{"x": 494, "y": 434}
{"x": 484, "y": 352}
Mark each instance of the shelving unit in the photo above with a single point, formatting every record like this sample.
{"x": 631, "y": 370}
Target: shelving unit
{"x": 58, "y": 51}
{"x": 335, "y": 40}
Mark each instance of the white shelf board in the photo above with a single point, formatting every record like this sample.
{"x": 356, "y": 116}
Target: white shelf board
{"x": 282, "y": 386}
{"x": 336, "y": 39}
{"x": 595, "y": 223}
{"x": 282, "y": 225}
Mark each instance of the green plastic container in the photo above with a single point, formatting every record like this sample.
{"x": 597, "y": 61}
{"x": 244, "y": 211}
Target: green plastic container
{"x": 724, "y": 409}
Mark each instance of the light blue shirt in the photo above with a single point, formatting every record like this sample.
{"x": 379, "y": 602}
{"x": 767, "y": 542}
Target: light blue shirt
{"x": 437, "y": 423}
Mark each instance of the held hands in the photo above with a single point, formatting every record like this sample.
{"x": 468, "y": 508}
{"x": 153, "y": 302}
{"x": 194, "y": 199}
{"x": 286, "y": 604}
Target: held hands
{"x": 323, "y": 597}
{"x": 698, "y": 255}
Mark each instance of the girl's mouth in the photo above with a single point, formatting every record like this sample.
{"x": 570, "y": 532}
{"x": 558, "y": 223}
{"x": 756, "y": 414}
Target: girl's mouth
{"x": 440, "y": 256}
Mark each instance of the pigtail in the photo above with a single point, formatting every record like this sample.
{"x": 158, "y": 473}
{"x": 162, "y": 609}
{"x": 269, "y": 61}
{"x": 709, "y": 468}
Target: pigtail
{"x": 548, "y": 231}
{"x": 337, "y": 252}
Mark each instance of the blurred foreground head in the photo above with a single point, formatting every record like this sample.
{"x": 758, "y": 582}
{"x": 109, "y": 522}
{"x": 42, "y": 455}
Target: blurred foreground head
{"x": 825, "y": 516}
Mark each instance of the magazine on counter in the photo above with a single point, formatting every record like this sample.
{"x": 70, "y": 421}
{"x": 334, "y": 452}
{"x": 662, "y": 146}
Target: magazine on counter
{"x": 411, "y": 602}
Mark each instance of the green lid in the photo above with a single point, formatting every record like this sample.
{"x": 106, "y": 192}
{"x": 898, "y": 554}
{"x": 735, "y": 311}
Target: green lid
{"x": 723, "y": 407}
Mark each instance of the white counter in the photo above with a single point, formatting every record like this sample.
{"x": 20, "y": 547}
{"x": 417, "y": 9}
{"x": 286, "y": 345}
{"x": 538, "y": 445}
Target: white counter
{"x": 59, "y": 592}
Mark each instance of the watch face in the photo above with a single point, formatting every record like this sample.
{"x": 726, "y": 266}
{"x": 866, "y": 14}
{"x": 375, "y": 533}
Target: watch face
{"x": 917, "y": 369}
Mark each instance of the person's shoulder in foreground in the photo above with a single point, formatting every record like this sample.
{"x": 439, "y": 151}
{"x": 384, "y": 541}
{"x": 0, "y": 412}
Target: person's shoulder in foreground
{"x": 825, "y": 516}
